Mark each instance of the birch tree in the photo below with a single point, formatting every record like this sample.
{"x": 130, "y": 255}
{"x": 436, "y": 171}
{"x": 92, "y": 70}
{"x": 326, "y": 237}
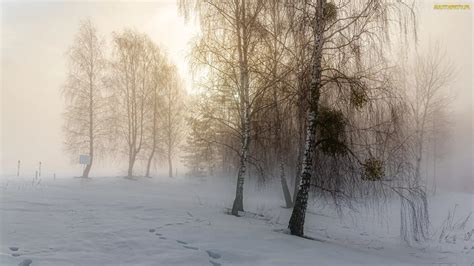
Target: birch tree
{"x": 131, "y": 66}
{"x": 338, "y": 30}
{"x": 318, "y": 72}
{"x": 85, "y": 117}
{"x": 173, "y": 101}
{"x": 427, "y": 98}
{"x": 230, "y": 34}
{"x": 157, "y": 83}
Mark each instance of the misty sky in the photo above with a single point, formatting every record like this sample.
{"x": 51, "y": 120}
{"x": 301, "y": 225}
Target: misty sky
{"x": 36, "y": 35}
{"x": 35, "y": 38}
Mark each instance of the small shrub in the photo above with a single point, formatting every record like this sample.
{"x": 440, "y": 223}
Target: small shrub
{"x": 330, "y": 12}
{"x": 373, "y": 170}
{"x": 332, "y": 129}
{"x": 358, "y": 97}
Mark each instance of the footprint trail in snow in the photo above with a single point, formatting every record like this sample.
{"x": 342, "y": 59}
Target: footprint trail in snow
{"x": 213, "y": 255}
{"x": 26, "y": 262}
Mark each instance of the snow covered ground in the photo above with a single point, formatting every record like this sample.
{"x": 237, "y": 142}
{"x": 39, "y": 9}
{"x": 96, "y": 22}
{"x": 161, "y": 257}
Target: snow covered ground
{"x": 183, "y": 221}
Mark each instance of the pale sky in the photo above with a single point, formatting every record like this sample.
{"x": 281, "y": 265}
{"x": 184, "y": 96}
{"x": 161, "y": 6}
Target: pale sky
{"x": 452, "y": 30}
{"x": 34, "y": 39}
{"x": 36, "y": 35}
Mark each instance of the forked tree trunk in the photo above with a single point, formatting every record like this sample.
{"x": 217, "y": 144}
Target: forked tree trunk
{"x": 296, "y": 224}
{"x": 153, "y": 148}
{"x": 150, "y": 159}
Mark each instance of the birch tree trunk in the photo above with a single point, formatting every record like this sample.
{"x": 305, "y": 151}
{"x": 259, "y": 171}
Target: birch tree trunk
{"x": 299, "y": 159}
{"x": 296, "y": 224}
{"x": 85, "y": 128}
{"x": 239, "y": 192}
{"x": 148, "y": 165}
{"x": 150, "y": 158}
{"x": 170, "y": 165}
{"x": 85, "y": 174}
{"x": 131, "y": 162}
{"x": 154, "y": 133}
{"x": 242, "y": 47}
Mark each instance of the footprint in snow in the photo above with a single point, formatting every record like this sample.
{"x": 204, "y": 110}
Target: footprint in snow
{"x": 14, "y": 248}
{"x": 162, "y": 237}
{"x": 158, "y": 234}
{"x": 213, "y": 254}
{"x": 190, "y": 247}
{"x": 152, "y": 230}
{"x": 15, "y": 254}
{"x": 185, "y": 245}
{"x": 213, "y": 263}
{"x": 26, "y": 262}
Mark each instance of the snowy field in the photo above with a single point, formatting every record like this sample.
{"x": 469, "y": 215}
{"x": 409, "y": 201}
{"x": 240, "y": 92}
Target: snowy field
{"x": 118, "y": 221}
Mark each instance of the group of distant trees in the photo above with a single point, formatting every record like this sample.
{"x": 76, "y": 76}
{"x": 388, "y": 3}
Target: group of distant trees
{"x": 307, "y": 91}
{"x": 128, "y": 101}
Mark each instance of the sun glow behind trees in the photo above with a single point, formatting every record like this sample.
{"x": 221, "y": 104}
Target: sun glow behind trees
{"x": 36, "y": 101}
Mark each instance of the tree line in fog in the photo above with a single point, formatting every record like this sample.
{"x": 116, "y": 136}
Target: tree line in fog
{"x": 128, "y": 101}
